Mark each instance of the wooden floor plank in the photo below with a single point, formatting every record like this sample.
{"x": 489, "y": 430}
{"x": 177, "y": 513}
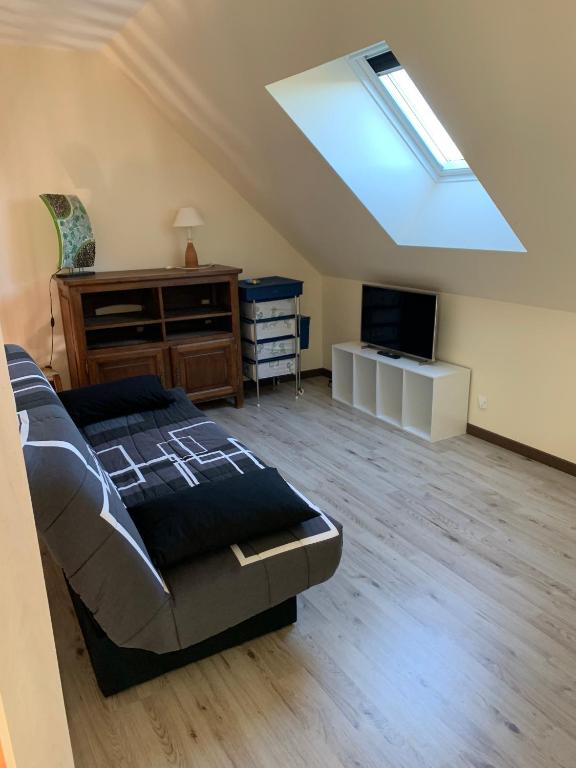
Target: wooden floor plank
{"x": 447, "y": 639}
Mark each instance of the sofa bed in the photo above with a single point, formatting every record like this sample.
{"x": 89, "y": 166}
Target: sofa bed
{"x": 175, "y": 539}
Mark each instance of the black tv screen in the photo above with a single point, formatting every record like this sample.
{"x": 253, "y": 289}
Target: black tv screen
{"x": 400, "y": 321}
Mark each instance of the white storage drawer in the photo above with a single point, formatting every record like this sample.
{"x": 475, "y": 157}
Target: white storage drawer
{"x": 263, "y": 310}
{"x": 268, "y": 349}
{"x": 270, "y": 369}
{"x": 269, "y": 330}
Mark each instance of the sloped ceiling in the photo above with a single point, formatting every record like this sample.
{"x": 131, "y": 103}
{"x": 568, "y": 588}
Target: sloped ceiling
{"x": 85, "y": 24}
{"x": 499, "y": 75}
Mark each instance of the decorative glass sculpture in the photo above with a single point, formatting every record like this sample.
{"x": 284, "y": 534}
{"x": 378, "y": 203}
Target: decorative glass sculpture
{"x": 75, "y": 236}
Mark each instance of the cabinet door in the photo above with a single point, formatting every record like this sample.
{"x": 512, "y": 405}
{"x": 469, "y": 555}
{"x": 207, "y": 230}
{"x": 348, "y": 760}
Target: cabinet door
{"x": 206, "y": 370}
{"x": 111, "y": 365}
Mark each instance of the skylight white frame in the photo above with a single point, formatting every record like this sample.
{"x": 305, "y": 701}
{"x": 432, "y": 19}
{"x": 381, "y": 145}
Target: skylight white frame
{"x": 370, "y": 80}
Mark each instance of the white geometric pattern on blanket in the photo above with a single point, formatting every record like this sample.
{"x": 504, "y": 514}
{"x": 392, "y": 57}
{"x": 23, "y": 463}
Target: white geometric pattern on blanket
{"x": 100, "y": 476}
{"x": 306, "y": 541}
{"x": 192, "y": 450}
{"x": 185, "y": 441}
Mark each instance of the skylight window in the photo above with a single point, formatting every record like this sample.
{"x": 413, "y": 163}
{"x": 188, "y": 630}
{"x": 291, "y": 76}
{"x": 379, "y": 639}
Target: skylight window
{"x": 416, "y": 121}
{"x": 361, "y": 131}
{"x": 401, "y": 87}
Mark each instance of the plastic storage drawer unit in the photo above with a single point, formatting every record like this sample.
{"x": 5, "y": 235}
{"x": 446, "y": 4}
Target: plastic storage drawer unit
{"x": 271, "y": 329}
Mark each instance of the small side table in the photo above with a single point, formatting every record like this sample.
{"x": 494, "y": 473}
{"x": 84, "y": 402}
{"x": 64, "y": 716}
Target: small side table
{"x": 53, "y": 377}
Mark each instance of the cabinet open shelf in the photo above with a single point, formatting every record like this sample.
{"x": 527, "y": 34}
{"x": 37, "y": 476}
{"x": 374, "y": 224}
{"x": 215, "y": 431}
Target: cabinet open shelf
{"x": 120, "y": 308}
{"x": 389, "y": 384}
{"x": 119, "y": 321}
{"x": 430, "y": 400}
{"x": 181, "y": 301}
{"x": 364, "y": 384}
{"x": 123, "y": 335}
{"x": 124, "y": 343}
{"x": 199, "y": 326}
{"x": 194, "y": 336}
{"x": 196, "y": 314}
{"x": 418, "y": 400}
{"x": 342, "y": 375}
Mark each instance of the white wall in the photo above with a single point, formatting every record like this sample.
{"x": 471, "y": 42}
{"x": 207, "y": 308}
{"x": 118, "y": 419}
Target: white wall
{"x": 521, "y": 359}
{"x": 33, "y": 727}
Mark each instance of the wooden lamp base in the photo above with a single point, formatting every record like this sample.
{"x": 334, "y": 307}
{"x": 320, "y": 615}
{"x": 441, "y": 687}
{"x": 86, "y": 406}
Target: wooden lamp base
{"x": 190, "y": 257}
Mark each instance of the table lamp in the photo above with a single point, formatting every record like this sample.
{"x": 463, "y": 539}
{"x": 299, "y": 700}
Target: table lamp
{"x": 189, "y": 217}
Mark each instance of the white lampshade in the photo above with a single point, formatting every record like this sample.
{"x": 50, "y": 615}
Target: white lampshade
{"x": 188, "y": 217}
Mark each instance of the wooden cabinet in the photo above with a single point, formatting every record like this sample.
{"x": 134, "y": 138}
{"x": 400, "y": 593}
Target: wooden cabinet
{"x": 205, "y": 369}
{"x": 183, "y": 326}
{"x": 117, "y": 364}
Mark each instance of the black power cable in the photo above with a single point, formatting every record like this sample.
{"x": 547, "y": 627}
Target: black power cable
{"x": 52, "y": 320}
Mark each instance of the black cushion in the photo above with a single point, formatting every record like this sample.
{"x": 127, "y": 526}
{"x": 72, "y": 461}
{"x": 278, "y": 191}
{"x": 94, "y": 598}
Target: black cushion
{"x": 213, "y": 515}
{"x": 118, "y": 398}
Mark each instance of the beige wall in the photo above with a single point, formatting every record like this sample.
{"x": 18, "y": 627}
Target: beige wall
{"x": 521, "y": 358}
{"x": 33, "y": 728}
{"x": 73, "y": 122}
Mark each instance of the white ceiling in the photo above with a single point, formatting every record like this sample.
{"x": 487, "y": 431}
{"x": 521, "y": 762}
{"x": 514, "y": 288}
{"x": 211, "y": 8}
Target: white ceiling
{"x": 85, "y": 24}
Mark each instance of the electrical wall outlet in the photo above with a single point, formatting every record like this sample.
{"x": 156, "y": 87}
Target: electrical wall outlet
{"x": 482, "y": 402}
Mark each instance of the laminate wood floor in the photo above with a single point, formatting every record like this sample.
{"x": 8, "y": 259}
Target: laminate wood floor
{"x": 447, "y": 638}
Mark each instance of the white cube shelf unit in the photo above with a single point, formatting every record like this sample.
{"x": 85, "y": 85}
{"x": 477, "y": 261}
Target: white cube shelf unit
{"x": 429, "y": 400}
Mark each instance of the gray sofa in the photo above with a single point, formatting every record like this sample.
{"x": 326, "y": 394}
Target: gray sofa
{"x": 79, "y": 483}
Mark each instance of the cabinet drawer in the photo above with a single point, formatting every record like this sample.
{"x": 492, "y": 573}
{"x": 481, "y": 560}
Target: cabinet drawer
{"x": 268, "y": 310}
{"x": 269, "y": 330}
{"x": 269, "y": 349}
{"x": 206, "y": 370}
{"x": 114, "y": 364}
{"x": 269, "y": 369}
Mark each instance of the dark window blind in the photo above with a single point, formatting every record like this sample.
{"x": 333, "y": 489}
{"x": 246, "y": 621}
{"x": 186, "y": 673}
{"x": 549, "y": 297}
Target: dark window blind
{"x": 384, "y": 62}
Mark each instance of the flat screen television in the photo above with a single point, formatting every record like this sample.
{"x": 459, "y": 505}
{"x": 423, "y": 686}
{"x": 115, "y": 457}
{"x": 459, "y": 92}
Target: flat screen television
{"x": 400, "y": 321}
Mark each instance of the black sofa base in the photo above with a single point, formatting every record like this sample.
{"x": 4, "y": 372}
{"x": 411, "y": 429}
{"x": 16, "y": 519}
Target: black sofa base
{"x": 119, "y": 668}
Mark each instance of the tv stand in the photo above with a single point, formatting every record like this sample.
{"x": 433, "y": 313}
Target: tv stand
{"x": 430, "y": 401}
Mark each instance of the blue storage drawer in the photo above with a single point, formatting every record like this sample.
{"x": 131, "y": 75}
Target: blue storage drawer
{"x": 304, "y": 332}
{"x": 269, "y": 288}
